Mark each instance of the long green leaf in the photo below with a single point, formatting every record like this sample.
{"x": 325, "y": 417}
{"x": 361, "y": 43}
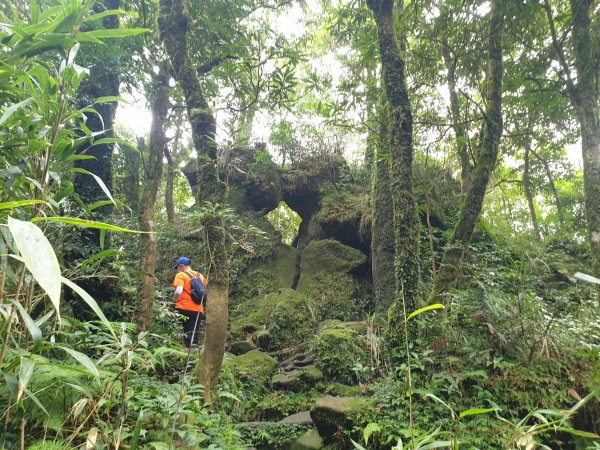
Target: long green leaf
{"x": 98, "y": 180}
{"x": 110, "y": 33}
{"x": 109, "y": 99}
{"x": 103, "y": 14}
{"x": 25, "y": 372}
{"x": 437, "y": 444}
{"x": 87, "y": 224}
{"x": 91, "y": 303}
{"x": 39, "y": 257}
{"x": 584, "y": 434}
{"x": 422, "y": 310}
{"x": 14, "y": 108}
{"x": 475, "y": 411}
{"x": 83, "y": 359}
{"x": 19, "y": 203}
{"x": 32, "y": 327}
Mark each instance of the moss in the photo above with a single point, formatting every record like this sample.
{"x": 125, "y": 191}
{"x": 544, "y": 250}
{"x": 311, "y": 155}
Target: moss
{"x": 339, "y": 350}
{"x": 284, "y": 315}
{"x": 253, "y": 369}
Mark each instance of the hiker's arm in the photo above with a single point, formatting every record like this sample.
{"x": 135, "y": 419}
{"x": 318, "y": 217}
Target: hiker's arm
{"x": 178, "y": 291}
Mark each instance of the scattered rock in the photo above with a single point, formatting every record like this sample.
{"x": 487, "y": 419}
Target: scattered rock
{"x": 298, "y": 380}
{"x": 343, "y": 390}
{"x": 308, "y": 441}
{"x": 254, "y": 369}
{"x": 333, "y": 414}
{"x": 241, "y": 347}
{"x": 301, "y": 418}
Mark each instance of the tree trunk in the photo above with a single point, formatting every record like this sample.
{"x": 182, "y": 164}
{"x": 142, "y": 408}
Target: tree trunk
{"x": 169, "y": 203}
{"x": 587, "y": 65}
{"x": 487, "y": 156}
{"x": 173, "y": 25}
{"x": 529, "y": 196}
{"x": 382, "y": 230}
{"x": 460, "y": 130}
{"x": 406, "y": 219}
{"x": 551, "y": 184}
{"x": 158, "y": 93}
{"x": 131, "y": 182}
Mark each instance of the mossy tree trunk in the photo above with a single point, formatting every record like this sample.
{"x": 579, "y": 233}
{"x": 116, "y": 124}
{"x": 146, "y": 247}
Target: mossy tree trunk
{"x": 158, "y": 93}
{"x": 406, "y": 219}
{"x": 458, "y": 125}
{"x": 587, "y": 107}
{"x": 173, "y": 26}
{"x": 382, "y": 229}
{"x": 583, "y": 94}
{"x": 487, "y": 156}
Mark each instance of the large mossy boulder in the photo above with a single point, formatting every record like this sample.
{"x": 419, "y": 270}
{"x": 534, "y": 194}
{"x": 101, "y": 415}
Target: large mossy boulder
{"x": 346, "y": 217}
{"x": 326, "y": 269}
{"x": 276, "y": 320}
{"x": 342, "y": 353}
{"x": 298, "y": 380}
{"x": 253, "y": 370}
{"x": 264, "y": 275}
{"x": 334, "y": 414}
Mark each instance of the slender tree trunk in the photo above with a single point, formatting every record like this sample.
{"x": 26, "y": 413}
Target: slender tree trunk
{"x": 173, "y": 25}
{"x": 551, "y": 183}
{"x": 171, "y": 171}
{"x": 587, "y": 107}
{"x": 450, "y": 269}
{"x": 382, "y": 230}
{"x": 159, "y": 100}
{"x": 527, "y": 190}
{"x": 131, "y": 183}
{"x": 460, "y": 129}
{"x": 406, "y": 219}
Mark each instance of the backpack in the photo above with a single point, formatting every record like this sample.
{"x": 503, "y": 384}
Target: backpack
{"x": 198, "y": 290}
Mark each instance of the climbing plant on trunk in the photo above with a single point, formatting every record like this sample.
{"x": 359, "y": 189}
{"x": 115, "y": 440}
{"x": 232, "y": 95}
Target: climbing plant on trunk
{"x": 406, "y": 219}
{"x": 487, "y": 156}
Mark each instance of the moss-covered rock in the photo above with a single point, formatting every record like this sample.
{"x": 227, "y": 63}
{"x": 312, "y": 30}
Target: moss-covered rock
{"x": 343, "y": 390}
{"x": 333, "y": 414}
{"x": 301, "y": 418}
{"x": 298, "y": 380}
{"x": 308, "y": 441}
{"x": 253, "y": 370}
{"x": 241, "y": 347}
{"x": 275, "y": 320}
{"x": 325, "y": 269}
{"x": 267, "y": 274}
{"x": 342, "y": 353}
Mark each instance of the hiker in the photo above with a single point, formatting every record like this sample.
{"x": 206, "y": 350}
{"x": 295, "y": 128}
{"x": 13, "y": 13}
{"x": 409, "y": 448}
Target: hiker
{"x": 191, "y": 308}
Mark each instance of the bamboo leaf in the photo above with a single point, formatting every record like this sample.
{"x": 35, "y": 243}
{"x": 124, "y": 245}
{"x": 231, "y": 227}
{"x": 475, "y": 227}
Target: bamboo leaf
{"x": 422, "y": 310}
{"x": 25, "y": 372}
{"x": 19, "y": 203}
{"x": 39, "y": 257}
{"x": 475, "y": 411}
{"x": 91, "y": 303}
{"x": 109, "y": 99}
{"x": 83, "y": 359}
{"x": 87, "y": 224}
{"x": 32, "y": 327}
{"x": 98, "y": 180}
{"x": 110, "y": 33}
{"x": 14, "y": 108}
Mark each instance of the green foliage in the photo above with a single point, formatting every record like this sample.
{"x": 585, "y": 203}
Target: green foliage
{"x": 285, "y": 221}
{"x": 271, "y": 435}
{"x": 341, "y": 353}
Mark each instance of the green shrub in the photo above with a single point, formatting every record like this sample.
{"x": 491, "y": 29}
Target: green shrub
{"x": 340, "y": 351}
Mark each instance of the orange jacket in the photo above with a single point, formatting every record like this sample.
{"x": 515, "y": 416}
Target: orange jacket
{"x": 185, "y": 299}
